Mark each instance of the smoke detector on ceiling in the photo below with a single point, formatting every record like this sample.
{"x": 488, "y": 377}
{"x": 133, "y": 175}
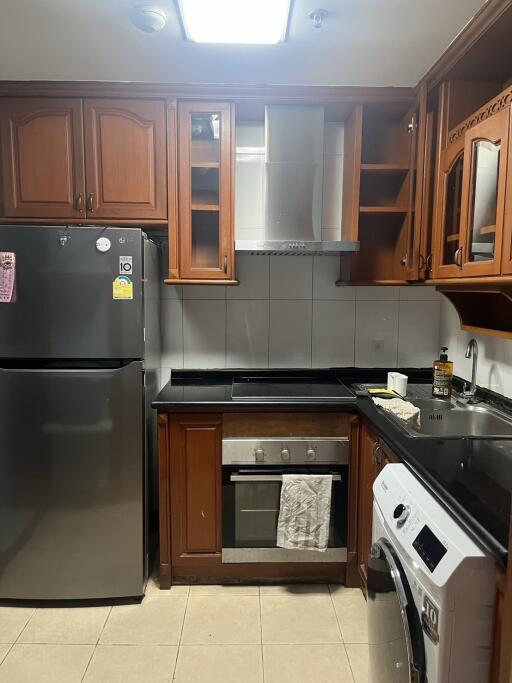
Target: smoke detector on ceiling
{"x": 148, "y": 18}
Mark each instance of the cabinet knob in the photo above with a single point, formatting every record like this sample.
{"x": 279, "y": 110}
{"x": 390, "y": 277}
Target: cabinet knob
{"x": 90, "y": 203}
{"x": 259, "y": 454}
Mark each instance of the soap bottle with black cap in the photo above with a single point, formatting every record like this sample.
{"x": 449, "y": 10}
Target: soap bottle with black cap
{"x": 443, "y": 375}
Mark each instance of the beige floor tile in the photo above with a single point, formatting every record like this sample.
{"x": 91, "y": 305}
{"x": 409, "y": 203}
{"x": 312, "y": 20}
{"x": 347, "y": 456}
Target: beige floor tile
{"x": 45, "y": 664}
{"x": 350, "y": 607}
{"x": 153, "y": 589}
{"x": 298, "y": 619}
{"x": 224, "y": 590}
{"x": 306, "y": 664}
{"x": 12, "y": 621}
{"x": 132, "y": 664}
{"x": 296, "y": 589}
{"x": 222, "y": 619}
{"x": 219, "y": 664}
{"x": 359, "y": 662}
{"x": 66, "y": 625}
{"x": 154, "y": 622}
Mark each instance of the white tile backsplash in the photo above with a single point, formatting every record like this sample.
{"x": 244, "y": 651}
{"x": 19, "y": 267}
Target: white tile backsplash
{"x": 333, "y": 333}
{"x": 326, "y": 270}
{"x": 290, "y": 334}
{"x": 334, "y": 138}
{"x": 418, "y": 333}
{"x": 204, "y": 334}
{"x": 247, "y": 334}
{"x": 291, "y": 277}
{"x": 376, "y": 333}
{"x": 172, "y": 333}
{"x": 249, "y": 193}
{"x": 253, "y": 272}
{"x": 332, "y": 193}
{"x": 304, "y": 320}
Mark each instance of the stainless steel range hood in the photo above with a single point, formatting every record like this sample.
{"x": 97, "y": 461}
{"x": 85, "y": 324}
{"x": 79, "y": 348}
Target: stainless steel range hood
{"x": 293, "y": 185}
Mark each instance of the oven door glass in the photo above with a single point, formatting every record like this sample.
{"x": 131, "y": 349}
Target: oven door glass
{"x": 256, "y": 513}
{"x": 251, "y": 501}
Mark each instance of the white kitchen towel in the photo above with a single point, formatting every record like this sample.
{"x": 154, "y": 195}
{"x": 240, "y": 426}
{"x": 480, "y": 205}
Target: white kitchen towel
{"x": 305, "y": 512}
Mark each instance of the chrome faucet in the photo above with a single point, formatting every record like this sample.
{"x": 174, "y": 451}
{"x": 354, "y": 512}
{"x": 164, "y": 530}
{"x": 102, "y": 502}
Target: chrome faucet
{"x": 472, "y": 351}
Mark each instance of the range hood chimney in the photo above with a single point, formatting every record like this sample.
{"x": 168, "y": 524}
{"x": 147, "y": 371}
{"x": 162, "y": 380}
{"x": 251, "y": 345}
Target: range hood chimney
{"x": 294, "y": 163}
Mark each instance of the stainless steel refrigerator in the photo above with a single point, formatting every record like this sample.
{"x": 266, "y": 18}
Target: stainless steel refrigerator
{"x": 79, "y": 365}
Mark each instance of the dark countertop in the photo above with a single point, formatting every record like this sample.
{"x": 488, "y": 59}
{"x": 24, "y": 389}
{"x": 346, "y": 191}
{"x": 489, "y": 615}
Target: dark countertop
{"x": 471, "y": 478}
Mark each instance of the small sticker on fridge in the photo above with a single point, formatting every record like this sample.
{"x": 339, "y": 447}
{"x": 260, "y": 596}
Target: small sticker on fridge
{"x": 122, "y": 288}
{"x": 126, "y": 265}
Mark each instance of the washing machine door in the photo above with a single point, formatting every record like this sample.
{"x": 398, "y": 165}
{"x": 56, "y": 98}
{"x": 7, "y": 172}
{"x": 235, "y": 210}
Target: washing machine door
{"x": 397, "y": 652}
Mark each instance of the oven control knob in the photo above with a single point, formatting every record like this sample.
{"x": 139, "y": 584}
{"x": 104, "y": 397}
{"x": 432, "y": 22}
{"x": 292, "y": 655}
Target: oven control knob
{"x": 260, "y": 454}
{"x": 311, "y": 454}
{"x": 285, "y": 454}
{"x": 401, "y": 513}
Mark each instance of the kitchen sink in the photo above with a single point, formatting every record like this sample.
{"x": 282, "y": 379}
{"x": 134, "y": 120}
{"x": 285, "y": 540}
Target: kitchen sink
{"x": 454, "y": 418}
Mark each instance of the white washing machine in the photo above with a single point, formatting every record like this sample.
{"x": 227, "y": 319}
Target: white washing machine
{"x": 430, "y": 589}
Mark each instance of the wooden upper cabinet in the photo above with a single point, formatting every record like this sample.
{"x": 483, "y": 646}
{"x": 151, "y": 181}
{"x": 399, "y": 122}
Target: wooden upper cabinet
{"x": 205, "y": 170}
{"x": 483, "y": 195}
{"x": 42, "y": 157}
{"x": 126, "y": 159}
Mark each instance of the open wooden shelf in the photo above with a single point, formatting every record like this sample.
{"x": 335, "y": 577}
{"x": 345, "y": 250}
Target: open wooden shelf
{"x": 453, "y": 238}
{"x": 384, "y": 168}
{"x": 383, "y": 209}
{"x": 487, "y": 230}
{"x": 203, "y": 200}
{"x": 205, "y": 164}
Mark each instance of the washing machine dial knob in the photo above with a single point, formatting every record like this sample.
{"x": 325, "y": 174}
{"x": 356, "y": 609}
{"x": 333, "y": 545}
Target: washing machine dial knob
{"x": 401, "y": 513}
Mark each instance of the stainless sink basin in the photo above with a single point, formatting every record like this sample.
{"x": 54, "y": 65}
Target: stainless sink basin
{"x": 451, "y": 419}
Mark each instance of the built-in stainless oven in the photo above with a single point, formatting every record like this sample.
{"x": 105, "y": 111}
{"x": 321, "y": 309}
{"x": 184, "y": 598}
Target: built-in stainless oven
{"x": 252, "y": 474}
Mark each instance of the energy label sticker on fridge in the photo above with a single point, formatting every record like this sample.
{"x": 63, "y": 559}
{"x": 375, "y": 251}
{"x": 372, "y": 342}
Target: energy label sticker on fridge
{"x": 126, "y": 265}
{"x": 122, "y": 288}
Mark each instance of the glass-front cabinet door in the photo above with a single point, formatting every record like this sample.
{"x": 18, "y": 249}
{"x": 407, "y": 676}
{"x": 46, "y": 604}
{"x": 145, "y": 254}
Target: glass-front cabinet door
{"x": 486, "y": 153}
{"x": 205, "y": 191}
{"x": 448, "y": 254}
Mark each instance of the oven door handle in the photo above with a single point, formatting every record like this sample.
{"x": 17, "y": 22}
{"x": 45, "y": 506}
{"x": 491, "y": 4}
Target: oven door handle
{"x": 268, "y": 477}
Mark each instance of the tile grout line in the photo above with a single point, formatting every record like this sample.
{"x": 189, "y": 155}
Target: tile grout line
{"x": 336, "y": 615}
{"x": 97, "y": 641}
{"x": 261, "y": 638}
{"x": 181, "y": 636}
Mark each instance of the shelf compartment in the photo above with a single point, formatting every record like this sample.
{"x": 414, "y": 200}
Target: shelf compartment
{"x": 205, "y": 200}
{"x": 383, "y": 239}
{"x": 455, "y": 237}
{"x": 383, "y": 209}
{"x": 392, "y": 169}
{"x": 384, "y": 189}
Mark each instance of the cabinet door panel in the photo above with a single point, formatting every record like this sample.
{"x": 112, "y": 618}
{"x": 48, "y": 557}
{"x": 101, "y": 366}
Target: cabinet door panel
{"x": 125, "y": 148}
{"x": 483, "y": 203}
{"x": 368, "y": 470}
{"x": 42, "y": 151}
{"x": 205, "y": 191}
{"x": 195, "y": 467}
{"x": 447, "y": 261}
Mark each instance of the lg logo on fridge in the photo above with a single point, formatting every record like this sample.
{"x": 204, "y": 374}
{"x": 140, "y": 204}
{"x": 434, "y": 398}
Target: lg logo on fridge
{"x": 125, "y": 265}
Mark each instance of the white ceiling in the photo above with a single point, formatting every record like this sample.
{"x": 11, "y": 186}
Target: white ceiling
{"x": 363, "y": 42}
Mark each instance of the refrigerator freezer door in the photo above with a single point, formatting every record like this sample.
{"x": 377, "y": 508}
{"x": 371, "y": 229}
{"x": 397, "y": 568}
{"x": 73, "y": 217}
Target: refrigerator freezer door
{"x": 64, "y": 303}
{"x": 71, "y": 483}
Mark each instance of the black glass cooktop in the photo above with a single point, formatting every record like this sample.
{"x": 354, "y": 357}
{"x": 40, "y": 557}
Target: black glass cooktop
{"x": 280, "y": 388}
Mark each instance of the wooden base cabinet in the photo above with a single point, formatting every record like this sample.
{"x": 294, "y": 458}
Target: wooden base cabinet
{"x": 190, "y": 491}
{"x": 373, "y": 456}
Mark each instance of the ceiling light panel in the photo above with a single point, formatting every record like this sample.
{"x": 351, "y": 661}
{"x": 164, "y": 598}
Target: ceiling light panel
{"x": 249, "y": 22}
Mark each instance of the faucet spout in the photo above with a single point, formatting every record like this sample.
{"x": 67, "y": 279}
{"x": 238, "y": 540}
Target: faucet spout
{"x": 472, "y": 352}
